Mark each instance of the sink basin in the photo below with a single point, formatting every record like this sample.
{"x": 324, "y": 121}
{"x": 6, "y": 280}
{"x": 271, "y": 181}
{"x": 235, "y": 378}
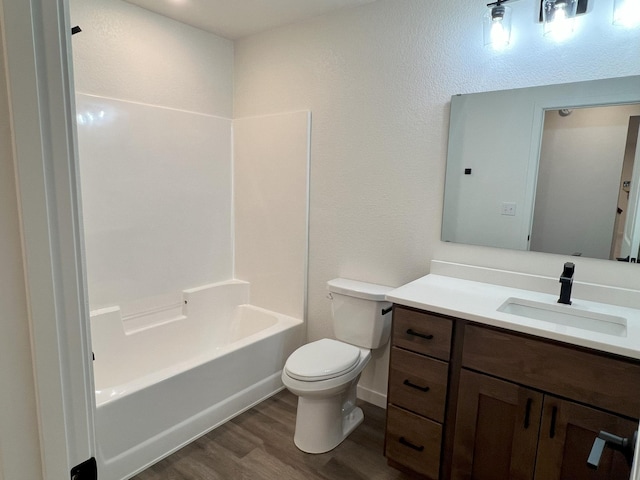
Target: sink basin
{"x": 566, "y": 315}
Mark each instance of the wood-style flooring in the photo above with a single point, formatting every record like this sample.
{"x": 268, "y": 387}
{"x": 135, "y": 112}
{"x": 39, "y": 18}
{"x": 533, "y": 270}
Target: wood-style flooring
{"x": 258, "y": 445}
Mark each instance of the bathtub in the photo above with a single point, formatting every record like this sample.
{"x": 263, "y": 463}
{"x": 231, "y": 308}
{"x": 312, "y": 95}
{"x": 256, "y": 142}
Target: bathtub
{"x": 162, "y": 382}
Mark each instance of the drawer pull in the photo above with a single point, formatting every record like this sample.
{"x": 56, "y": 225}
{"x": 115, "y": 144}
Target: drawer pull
{"x": 409, "y": 383}
{"x": 411, "y": 331}
{"x": 407, "y": 443}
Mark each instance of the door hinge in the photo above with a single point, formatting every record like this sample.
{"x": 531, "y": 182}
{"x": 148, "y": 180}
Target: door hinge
{"x": 85, "y": 471}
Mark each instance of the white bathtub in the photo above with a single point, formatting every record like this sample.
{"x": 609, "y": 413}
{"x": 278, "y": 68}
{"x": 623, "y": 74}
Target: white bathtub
{"x": 162, "y": 385}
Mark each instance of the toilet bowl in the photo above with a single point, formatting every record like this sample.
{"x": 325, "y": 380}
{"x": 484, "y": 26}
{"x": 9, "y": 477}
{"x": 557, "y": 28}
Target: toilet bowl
{"x": 327, "y": 411}
{"x": 324, "y": 374}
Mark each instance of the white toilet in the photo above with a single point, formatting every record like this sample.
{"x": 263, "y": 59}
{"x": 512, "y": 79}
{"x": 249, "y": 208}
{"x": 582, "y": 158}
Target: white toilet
{"x": 324, "y": 374}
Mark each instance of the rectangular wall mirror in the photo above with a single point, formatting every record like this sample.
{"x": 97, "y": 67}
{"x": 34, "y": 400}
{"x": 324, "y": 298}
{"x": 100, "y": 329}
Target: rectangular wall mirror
{"x": 553, "y": 169}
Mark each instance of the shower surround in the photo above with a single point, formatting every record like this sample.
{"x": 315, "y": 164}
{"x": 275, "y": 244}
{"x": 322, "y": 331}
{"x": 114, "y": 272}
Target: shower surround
{"x": 177, "y": 205}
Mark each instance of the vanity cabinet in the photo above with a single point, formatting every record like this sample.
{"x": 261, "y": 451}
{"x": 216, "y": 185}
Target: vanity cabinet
{"x": 503, "y": 405}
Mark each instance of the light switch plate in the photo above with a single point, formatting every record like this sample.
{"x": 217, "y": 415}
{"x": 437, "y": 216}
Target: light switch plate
{"x": 508, "y": 208}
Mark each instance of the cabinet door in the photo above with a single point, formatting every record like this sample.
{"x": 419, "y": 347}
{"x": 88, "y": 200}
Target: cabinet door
{"x": 496, "y": 429}
{"x": 567, "y": 434}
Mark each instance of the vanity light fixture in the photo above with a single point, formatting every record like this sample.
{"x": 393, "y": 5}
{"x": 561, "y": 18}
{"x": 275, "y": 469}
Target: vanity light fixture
{"x": 626, "y": 13}
{"x": 558, "y": 17}
{"x": 497, "y": 24}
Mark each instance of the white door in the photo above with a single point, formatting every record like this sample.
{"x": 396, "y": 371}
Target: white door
{"x": 37, "y": 47}
{"x": 631, "y": 235}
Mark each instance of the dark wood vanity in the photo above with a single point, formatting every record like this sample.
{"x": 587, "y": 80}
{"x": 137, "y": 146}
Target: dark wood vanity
{"x": 469, "y": 401}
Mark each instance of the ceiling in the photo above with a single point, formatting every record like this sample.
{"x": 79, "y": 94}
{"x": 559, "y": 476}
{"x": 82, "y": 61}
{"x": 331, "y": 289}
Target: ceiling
{"x": 234, "y": 19}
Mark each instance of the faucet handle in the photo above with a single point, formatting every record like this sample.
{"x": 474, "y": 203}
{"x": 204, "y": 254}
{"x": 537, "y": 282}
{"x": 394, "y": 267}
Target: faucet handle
{"x": 625, "y": 445}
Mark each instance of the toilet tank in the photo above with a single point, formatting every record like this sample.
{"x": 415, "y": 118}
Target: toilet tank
{"x": 357, "y": 309}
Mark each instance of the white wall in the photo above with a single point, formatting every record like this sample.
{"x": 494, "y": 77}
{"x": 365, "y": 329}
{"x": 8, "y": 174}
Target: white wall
{"x": 129, "y": 53}
{"x": 19, "y": 438}
{"x": 378, "y": 79}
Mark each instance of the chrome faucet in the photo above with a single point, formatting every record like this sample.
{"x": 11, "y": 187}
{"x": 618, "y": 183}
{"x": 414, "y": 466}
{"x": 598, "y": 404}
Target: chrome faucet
{"x": 566, "y": 281}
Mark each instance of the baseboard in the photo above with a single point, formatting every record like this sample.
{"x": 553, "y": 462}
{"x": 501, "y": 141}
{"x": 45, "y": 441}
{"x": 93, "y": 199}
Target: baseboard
{"x": 370, "y": 396}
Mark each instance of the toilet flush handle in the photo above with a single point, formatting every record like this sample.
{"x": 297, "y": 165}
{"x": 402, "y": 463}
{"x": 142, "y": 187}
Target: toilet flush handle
{"x": 387, "y": 310}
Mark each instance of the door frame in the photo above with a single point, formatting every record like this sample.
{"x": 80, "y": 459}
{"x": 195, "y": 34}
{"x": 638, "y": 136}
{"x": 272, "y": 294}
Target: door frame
{"x": 39, "y": 74}
{"x": 631, "y": 231}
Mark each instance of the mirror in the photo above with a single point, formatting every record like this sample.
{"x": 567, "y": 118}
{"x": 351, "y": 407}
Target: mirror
{"x": 546, "y": 169}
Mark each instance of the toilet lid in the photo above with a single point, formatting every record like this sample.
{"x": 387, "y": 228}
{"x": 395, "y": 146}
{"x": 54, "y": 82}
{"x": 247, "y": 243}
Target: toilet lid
{"x": 322, "y": 360}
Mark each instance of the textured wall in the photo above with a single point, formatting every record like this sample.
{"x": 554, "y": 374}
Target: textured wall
{"x": 128, "y": 53}
{"x": 378, "y": 80}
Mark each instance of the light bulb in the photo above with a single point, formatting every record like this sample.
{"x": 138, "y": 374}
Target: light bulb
{"x": 499, "y": 36}
{"x": 559, "y": 17}
{"x": 497, "y": 26}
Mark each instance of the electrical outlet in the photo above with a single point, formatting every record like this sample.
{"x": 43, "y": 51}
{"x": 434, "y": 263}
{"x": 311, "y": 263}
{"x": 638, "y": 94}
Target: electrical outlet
{"x": 508, "y": 208}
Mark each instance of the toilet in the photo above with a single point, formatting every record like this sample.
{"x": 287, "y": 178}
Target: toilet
{"x": 324, "y": 374}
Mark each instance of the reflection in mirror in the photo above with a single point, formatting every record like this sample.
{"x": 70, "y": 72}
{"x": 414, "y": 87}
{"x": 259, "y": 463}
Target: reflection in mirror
{"x": 584, "y": 178}
{"x": 546, "y": 169}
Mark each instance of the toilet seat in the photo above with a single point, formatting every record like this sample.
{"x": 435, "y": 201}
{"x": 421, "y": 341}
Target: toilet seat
{"x": 322, "y": 360}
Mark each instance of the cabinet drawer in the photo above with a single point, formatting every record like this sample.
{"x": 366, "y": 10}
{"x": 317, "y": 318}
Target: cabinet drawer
{"x": 418, "y": 383}
{"x": 422, "y": 332}
{"x": 593, "y": 378}
{"x": 413, "y": 441}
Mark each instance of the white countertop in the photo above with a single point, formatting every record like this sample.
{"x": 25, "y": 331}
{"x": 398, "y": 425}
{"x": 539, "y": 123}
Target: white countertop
{"x": 479, "y": 302}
